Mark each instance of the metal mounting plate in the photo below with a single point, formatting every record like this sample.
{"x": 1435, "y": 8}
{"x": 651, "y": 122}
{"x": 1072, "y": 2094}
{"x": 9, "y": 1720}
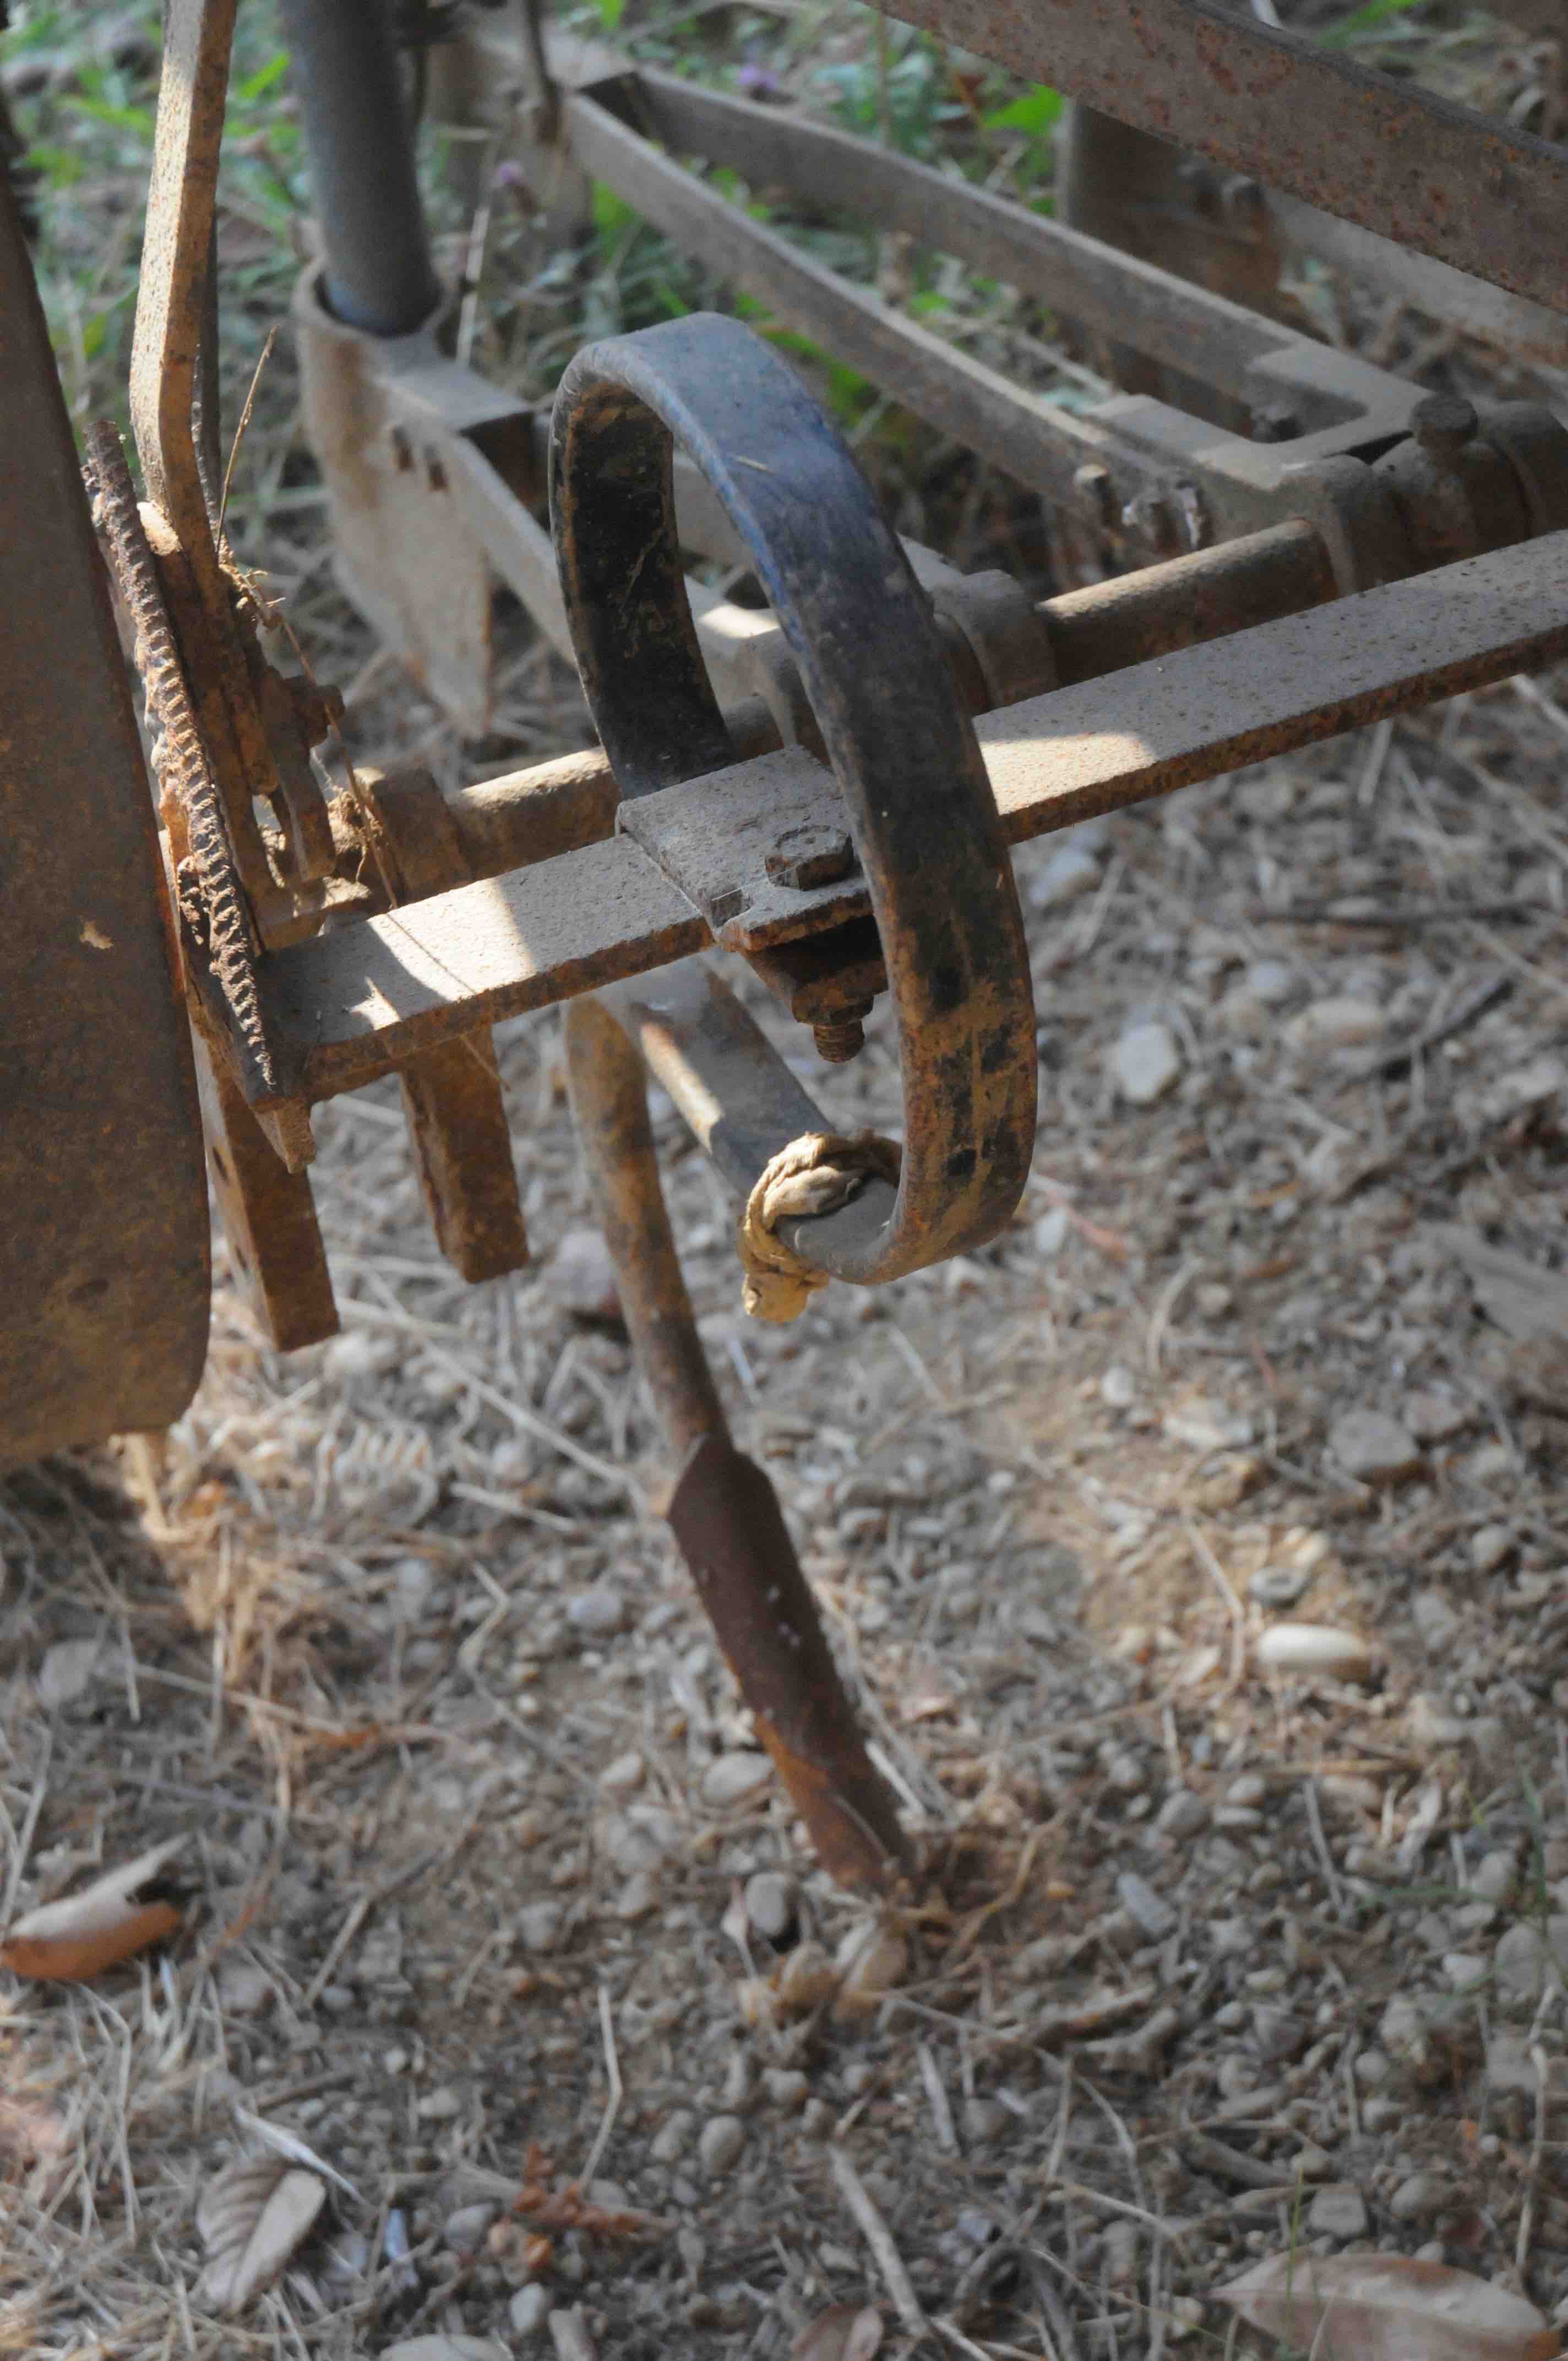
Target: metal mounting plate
{"x": 103, "y": 1232}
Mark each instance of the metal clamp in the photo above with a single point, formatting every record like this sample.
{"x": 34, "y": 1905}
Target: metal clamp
{"x": 903, "y": 750}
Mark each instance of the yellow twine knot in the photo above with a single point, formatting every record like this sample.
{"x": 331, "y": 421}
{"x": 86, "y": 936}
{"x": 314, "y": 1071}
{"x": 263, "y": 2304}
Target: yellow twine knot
{"x": 814, "y": 1174}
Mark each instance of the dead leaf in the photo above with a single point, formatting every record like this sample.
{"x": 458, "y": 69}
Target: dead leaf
{"x": 121, "y": 1913}
{"x": 848, "y": 2331}
{"x": 1388, "y": 2308}
{"x": 251, "y": 2218}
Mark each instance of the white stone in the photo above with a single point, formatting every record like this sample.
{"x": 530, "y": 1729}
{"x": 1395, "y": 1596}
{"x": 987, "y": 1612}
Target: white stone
{"x": 528, "y": 2310}
{"x": 1306, "y": 1648}
{"x": 580, "y": 1276}
{"x": 1182, "y": 1814}
{"x": 624, "y": 1776}
{"x": 1490, "y": 1547}
{"x": 538, "y": 1925}
{"x": 1437, "y": 1625}
{"x": 734, "y": 1778}
{"x": 1271, "y": 980}
{"x": 772, "y": 1900}
{"x": 1052, "y": 1231}
{"x": 1338, "y": 1023}
{"x": 1118, "y": 1388}
{"x": 599, "y": 1611}
{"x": 719, "y": 2146}
{"x": 66, "y": 1673}
{"x": 1337, "y": 2211}
{"x": 1277, "y": 1587}
{"x": 1373, "y": 1447}
{"x": 1145, "y": 1063}
{"x": 1071, "y": 872}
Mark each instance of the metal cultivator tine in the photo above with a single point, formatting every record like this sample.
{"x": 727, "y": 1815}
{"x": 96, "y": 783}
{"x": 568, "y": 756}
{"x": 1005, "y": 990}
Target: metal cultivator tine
{"x": 924, "y": 831}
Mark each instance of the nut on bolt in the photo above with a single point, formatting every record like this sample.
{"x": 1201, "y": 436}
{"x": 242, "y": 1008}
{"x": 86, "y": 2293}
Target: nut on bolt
{"x": 1442, "y": 424}
{"x": 812, "y": 853}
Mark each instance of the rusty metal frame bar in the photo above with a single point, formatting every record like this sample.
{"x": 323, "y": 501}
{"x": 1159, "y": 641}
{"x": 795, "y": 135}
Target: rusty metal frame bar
{"x": 1435, "y": 177}
{"x": 355, "y": 999}
{"x": 1141, "y": 445}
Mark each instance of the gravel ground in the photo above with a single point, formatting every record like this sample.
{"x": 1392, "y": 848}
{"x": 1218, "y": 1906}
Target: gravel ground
{"x": 1198, "y": 1554}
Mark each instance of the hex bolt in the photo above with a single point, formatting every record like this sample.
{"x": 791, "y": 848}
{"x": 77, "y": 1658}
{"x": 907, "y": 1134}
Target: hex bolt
{"x": 1442, "y": 424}
{"x": 812, "y": 853}
{"x": 839, "y": 1038}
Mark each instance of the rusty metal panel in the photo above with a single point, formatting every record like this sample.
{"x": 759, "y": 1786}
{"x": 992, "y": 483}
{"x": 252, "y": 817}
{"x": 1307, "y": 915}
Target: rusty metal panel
{"x": 104, "y": 1229}
{"x": 1431, "y": 175}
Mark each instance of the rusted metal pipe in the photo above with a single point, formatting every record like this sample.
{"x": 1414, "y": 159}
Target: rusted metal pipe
{"x": 724, "y": 1513}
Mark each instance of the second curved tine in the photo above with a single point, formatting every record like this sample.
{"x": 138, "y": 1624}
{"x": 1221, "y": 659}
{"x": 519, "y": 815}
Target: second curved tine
{"x": 723, "y": 1511}
{"x": 903, "y": 747}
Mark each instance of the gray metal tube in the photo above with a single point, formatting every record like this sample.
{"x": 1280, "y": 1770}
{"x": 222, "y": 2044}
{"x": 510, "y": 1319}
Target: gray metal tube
{"x": 379, "y": 275}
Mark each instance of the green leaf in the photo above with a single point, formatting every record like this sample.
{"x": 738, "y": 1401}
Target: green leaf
{"x": 612, "y": 215}
{"x": 258, "y": 84}
{"x": 1036, "y": 113}
{"x": 609, "y": 13}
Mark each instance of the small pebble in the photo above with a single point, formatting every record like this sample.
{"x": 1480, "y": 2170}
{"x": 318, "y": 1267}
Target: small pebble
{"x": 1250, "y": 1790}
{"x": 1374, "y": 1448}
{"x": 1496, "y": 1879}
{"x": 1052, "y": 1231}
{"x": 1419, "y": 2197}
{"x": 580, "y": 1276}
{"x": 1270, "y": 981}
{"x": 773, "y": 1903}
{"x": 1337, "y": 1024}
{"x": 719, "y": 2144}
{"x": 528, "y": 2310}
{"x": 1380, "y": 2114}
{"x": 1070, "y": 872}
{"x": 1145, "y": 1063}
{"x": 465, "y": 2230}
{"x": 624, "y": 1776}
{"x": 440, "y": 2105}
{"x": 1182, "y": 1814}
{"x": 1152, "y": 1913}
{"x": 1307, "y": 1648}
{"x": 1337, "y": 2211}
{"x": 1118, "y": 1388}
{"x": 638, "y": 1898}
{"x": 733, "y": 1778}
{"x": 985, "y": 2120}
{"x": 1279, "y": 2035}
{"x": 1490, "y": 1547}
{"x": 1437, "y": 1625}
{"x": 1311, "y": 2162}
{"x": 1433, "y": 1418}
{"x": 538, "y": 1924}
{"x": 1464, "y": 1972}
{"x": 672, "y": 2138}
{"x": 66, "y": 1673}
{"x": 1125, "y": 1773}
{"x": 1120, "y": 2250}
{"x": 1277, "y": 1587}
{"x": 786, "y": 2087}
{"x": 599, "y": 1611}
{"x": 1519, "y": 1959}
{"x": 1370, "y": 2067}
